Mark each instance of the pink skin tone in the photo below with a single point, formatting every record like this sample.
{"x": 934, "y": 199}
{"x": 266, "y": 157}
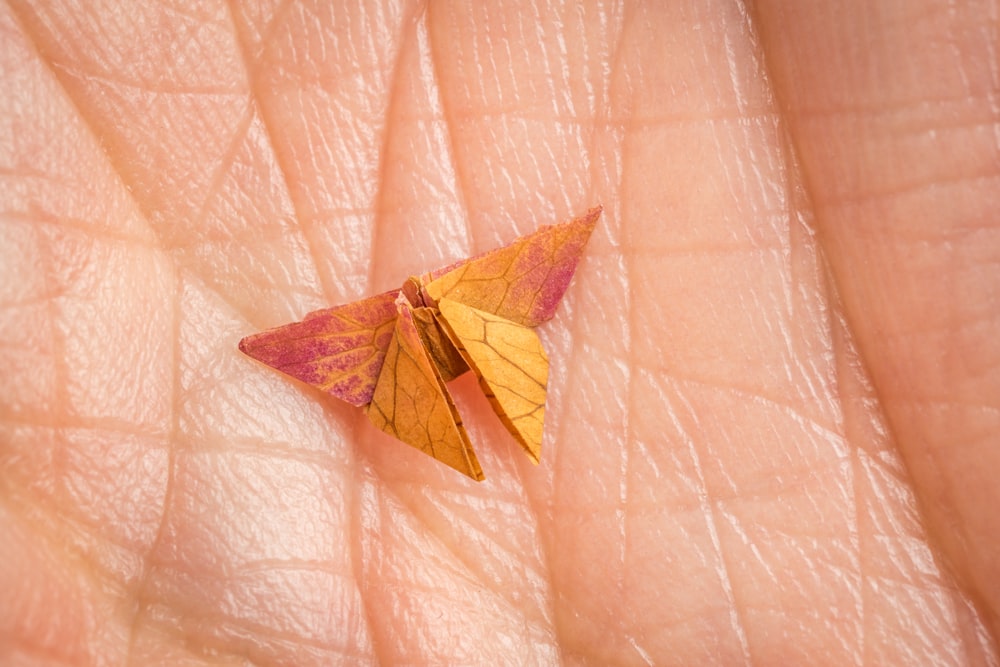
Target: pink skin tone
{"x": 773, "y": 404}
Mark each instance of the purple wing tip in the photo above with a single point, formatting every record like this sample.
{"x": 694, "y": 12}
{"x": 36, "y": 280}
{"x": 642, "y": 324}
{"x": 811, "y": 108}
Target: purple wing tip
{"x": 591, "y": 216}
{"x": 338, "y": 350}
{"x": 578, "y": 234}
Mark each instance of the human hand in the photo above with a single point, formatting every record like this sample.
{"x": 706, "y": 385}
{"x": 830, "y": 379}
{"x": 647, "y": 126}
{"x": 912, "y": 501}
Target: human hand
{"x": 771, "y": 410}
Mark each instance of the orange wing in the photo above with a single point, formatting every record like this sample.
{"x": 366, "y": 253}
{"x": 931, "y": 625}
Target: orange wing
{"x": 524, "y": 281}
{"x": 339, "y": 350}
{"x": 411, "y": 403}
{"x": 512, "y": 366}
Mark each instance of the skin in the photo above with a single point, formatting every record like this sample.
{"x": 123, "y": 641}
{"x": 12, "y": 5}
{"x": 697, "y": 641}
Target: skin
{"x": 771, "y": 433}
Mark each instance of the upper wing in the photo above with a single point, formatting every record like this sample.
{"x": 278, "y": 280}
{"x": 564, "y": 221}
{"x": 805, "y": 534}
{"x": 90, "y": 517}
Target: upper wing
{"x": 524, "y": 281}
{"x": 339, "y": 350}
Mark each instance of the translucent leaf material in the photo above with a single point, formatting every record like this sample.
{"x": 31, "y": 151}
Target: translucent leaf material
{"x": 394, "y": 352}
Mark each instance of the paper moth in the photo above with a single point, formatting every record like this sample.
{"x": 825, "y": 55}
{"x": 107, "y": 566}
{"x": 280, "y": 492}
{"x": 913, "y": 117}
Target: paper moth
{"x": 393, "y": 353}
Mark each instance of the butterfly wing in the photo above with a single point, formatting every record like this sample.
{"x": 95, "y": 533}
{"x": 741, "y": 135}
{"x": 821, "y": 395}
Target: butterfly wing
{"x": 512, "y": 366}
{"x": 411, "y": 402}
{"x": 338, "y": 350}
{"x": 488, "y": 306}
{"x": 522, "y": 282}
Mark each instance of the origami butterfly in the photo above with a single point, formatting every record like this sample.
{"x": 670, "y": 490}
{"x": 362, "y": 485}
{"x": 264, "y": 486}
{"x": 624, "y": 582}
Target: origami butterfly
{"x": 393, "y": 353}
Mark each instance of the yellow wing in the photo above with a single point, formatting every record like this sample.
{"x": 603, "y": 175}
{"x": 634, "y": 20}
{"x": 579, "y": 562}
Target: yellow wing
{"x": 411, "y": 403}
{"x": 522, "y": 282}
{"x": 512, "y": 367}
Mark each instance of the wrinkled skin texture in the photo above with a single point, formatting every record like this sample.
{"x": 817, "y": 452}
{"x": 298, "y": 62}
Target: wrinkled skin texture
{"x": 774, "y": 404}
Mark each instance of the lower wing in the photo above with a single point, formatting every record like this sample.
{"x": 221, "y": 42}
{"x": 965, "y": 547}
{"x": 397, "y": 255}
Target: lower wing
{"x": 512, "y": 367}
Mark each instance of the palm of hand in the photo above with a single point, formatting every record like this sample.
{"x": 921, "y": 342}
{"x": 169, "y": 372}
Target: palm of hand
{"x": 737, "y": 436}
